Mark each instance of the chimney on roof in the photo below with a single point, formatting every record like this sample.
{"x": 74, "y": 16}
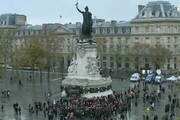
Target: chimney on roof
{"x": 95, "y": 19}
{"x": 113, "y": 22}
{"x": 78, "y": 24}
{"x": 148, "y": 12}
{"x": 174, "y": 12}
{"x": 140, "y": 7}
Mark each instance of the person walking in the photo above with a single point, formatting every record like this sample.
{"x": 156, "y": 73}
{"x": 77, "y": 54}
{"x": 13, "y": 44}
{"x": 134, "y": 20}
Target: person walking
{"x": 155, "y": 117}
{"x": 172, "y": 116}
{"x": 19, "y": 110}
{"x": 167, "y": 106}
{"x": 147, "y": 117}
{"x": 122, "y": 116}
{"x": 169, "y": 97}
{"x": 20, "y": 83}
{"x": 2, "y": 108}
{"x": 152, "y": 106}
{"x": 144, "y": 117}
{"x": 136, "y": 104}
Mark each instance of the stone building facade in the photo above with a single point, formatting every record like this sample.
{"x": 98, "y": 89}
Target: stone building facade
{"x": 60, "y": 39}
{"x": 157, "y": 22}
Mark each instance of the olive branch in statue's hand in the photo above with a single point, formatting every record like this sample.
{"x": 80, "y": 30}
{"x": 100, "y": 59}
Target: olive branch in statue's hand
{"x": 76, "y": 4}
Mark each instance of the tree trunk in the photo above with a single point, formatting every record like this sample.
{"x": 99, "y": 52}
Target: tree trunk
{"x": 40, "y": 72}
{"x": 5, "y": 71}
{"x": 48, "y": 79}
{"x": 33, "y": 74}
{"x": 17, "y": 74}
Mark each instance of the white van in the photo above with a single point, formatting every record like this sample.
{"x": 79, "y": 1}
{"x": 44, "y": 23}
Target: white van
{"x": 135, "y": 77}
{"x": 159, "y": 78}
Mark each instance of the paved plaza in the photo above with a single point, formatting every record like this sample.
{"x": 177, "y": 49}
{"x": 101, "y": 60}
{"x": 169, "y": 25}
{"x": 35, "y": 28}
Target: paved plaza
{"x": 30, "y": 92}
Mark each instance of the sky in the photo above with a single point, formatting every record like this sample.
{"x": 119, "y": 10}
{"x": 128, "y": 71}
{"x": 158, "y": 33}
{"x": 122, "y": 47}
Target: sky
{"x": 49, "y": 11}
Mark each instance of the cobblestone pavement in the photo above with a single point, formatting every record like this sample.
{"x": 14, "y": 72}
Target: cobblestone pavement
{"x": 36, "y": 91}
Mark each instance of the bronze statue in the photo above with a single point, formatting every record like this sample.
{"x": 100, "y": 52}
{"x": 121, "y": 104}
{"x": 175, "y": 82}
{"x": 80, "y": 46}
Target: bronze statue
{"x": 87, "y": 21}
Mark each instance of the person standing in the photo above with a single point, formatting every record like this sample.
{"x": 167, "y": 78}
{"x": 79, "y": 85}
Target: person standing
{"x": 2, "y": 108}
{"x": 155, "y": 117}
{"x": 122, "y": 116}
{"x": 169, "y": 96}
{"x": 136, "y": 104}
{"x": 19, "y": 110}
{"x": 172, "y": 116}
{"x": 147, "y": 117}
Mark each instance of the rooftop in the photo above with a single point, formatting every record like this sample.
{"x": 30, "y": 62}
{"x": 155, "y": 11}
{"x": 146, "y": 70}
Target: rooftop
{"x": 157, "y": 9}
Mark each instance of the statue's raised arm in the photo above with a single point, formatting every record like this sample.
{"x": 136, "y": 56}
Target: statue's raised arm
{"x": 78, "y": 8}
{"x": 87, "y": 21}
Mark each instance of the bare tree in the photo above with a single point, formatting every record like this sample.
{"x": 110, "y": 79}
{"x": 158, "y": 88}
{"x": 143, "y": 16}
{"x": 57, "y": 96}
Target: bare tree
{"x": 6, "y": 37}
{"x": 32, "y": 55}
{"x": 137, "y": 54}
{"x": 158, "y": 55}
{"x": 101, "y": 48}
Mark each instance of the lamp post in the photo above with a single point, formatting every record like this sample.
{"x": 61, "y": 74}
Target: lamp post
{"x": 48, "y": 57}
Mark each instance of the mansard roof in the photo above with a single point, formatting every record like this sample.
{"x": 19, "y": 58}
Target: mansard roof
{"x": 157, "y": 9}
{"x": 113, "y": 23}
{"x": 102, "y": 24}
{"x": 36, "y": 27}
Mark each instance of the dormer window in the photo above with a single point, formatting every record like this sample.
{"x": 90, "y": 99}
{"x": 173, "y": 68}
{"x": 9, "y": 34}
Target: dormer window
{"x": 167, "y": 13}
{"x": 116, "y": 30}
{"x": 148, "y": 12}
{"x": 142, "y": 13}
{"x": 157, "y": 14}
{"x": 101, "y": 30}
{"x": 108, "y": 30}
{"x": 174, "y": 12}
{"x": 153, "y": 13}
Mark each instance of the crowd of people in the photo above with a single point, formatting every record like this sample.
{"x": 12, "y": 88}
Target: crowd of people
{"x": 5, "y": 93}
{"x": 112, "y": 107}
{"x": 95, "y": 108}
{"x": 17, "y": 109}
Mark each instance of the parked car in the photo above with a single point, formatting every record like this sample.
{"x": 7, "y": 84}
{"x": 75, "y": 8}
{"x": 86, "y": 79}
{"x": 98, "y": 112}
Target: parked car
{"x": 135, "y": 77}
{"x": 28, "y": 68}
{"x": 6, "y": 66}
{"x": 159, "y": 79}
{"x": 150, "y": 78}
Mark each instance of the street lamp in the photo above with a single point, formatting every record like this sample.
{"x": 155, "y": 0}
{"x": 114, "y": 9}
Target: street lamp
{"x": 48, "y": 57}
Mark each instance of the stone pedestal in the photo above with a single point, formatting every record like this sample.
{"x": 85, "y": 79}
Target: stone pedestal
{"x": 83, "y": 73}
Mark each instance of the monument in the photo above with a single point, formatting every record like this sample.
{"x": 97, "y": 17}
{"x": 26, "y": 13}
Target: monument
{"x": 83, "y": 76}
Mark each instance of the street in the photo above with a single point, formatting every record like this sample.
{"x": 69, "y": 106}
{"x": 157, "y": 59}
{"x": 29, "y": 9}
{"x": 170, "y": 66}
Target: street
{"x": 31, "y": 91}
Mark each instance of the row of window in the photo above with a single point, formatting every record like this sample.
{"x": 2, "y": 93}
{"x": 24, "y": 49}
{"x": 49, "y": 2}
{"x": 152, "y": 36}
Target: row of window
{"x": 147, "y": 29}
{"x": 127, "y": 65}
{"x": 109, "y": 30}
{"x": 122, "y": 49}
{"x": 29, "y": 32}
{"x": 126, "y": 60}
{"x": 148, "y": 40}
{"x": 175, "y": 60}
{"x": 168, "y": 13}
{"x": 170, "y": 67}
{"x": 123, "y": 30}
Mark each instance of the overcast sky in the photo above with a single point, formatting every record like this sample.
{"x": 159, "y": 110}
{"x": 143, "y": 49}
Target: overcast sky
{"x": 49, "y": 11}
